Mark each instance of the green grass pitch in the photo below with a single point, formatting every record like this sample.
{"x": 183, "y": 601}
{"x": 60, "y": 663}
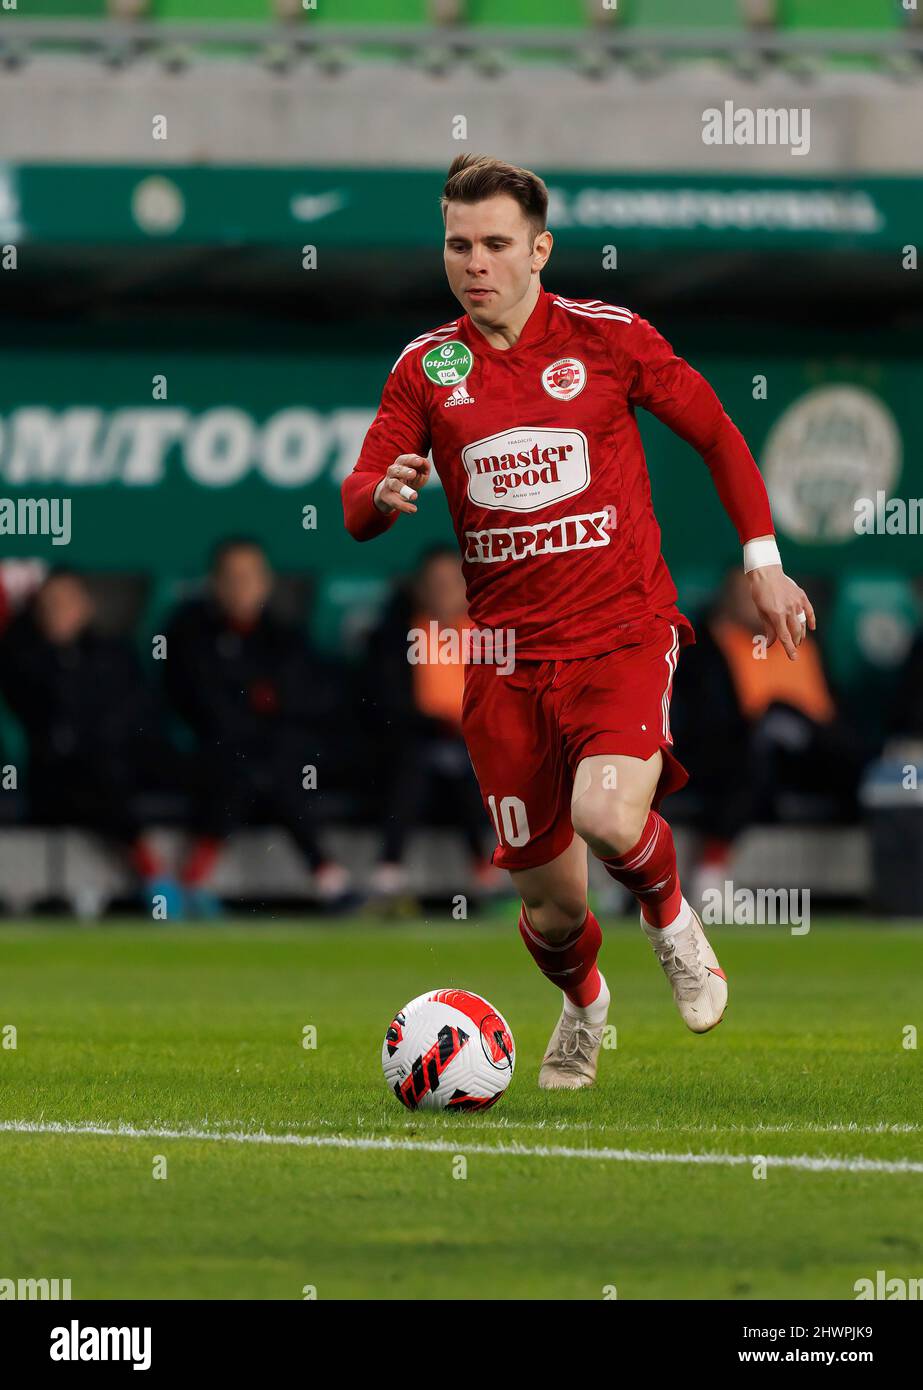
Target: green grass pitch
{"x": 200, "y": 1029}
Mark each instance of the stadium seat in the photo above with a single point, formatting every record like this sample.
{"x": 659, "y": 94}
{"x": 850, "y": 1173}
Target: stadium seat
{"x": 66, "y": 9}
{"x": 213, "y": 11}
{"x": 677, "y": 14}
{"x": 370, "y": 12}
{"x": 840, "y": 14}
{"x": 511, "y": 13}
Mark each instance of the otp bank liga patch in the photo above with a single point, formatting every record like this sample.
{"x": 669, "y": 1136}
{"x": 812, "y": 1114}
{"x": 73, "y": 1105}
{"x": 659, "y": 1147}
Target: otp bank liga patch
{"x": 449, "y": 364}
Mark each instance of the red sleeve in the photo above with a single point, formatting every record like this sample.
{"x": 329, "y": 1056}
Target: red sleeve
{"x": 678, "y": 395}
{"x": 400, "y": 427}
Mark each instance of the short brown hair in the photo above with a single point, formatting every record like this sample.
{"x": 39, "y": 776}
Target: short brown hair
{"x": 474, "y": 177}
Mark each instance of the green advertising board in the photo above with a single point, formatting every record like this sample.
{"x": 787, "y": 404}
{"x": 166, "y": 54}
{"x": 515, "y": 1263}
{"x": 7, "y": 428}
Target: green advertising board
{"x": 356, "y": 209}
{"x": 163, "y": 451}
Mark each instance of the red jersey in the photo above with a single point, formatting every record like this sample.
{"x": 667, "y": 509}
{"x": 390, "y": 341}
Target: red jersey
{"x": 538, "y": 450}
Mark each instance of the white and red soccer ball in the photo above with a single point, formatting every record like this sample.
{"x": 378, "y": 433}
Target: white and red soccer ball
{"x": 448, "y": 1049}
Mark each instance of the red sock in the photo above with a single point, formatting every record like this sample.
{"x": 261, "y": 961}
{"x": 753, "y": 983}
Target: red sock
{"x": 649, "y": 871}
{"x": 569, "y": 964}
{"x": 200, "y": 861}
{"x": 145, "y": 862}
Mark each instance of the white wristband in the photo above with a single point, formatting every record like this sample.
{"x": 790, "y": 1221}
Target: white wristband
{"x": 760, "y": 553}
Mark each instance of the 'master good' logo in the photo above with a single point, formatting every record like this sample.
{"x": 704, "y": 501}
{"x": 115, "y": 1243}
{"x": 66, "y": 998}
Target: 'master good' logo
{"x": 525, "y": 469}
{"x": 449, "y": 364}
{"x": 565, "y": 378}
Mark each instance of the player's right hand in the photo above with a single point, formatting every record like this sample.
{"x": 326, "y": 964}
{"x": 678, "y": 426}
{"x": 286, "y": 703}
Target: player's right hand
{"x": 409, "y": 471}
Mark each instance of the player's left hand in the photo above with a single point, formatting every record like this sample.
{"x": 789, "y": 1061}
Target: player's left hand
{"x": 785, "y": 609}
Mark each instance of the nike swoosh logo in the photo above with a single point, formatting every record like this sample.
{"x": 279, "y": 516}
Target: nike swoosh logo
{"x": 311, "y": 207}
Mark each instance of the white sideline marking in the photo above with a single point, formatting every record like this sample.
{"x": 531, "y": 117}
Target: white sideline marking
{"x": 805, "y": 1162}
{"x": 587, "y": 1127}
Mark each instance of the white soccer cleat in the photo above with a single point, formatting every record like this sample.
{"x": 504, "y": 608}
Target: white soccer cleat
{"x": 700, "y": 986}
{"x": 573, "y": 1054}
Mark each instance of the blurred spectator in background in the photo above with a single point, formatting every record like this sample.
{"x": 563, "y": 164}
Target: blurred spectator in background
{"x": 760, "y": 734}
{"x": 95, "y": 737}
{"x": 416, "y": 708}
{"x": 256, "y": 698}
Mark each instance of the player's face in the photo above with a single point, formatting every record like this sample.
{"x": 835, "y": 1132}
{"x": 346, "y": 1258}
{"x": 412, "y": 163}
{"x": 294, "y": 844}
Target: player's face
{"x": 491, "y": 256}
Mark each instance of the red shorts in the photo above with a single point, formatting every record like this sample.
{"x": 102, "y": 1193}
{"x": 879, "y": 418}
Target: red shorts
{"x": 527, "y": 731}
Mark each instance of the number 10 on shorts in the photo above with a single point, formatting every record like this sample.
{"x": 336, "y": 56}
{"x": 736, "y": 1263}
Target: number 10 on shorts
{"x": 512, "y": 823}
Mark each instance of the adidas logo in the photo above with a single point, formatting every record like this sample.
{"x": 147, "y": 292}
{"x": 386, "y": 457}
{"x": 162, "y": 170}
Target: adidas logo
{"x": 459, "y": 396}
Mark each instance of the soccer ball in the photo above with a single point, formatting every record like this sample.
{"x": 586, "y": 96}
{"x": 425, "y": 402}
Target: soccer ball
{"x": 448, "y": 1050}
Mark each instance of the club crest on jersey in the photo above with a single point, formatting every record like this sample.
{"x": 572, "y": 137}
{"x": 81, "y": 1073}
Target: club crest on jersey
{"x": 565, "y": 378}
{"x": 448, "y": 364}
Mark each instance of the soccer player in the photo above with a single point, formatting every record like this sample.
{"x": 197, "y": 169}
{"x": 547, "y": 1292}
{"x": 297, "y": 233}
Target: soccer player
{"x": 528, "y": 402}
